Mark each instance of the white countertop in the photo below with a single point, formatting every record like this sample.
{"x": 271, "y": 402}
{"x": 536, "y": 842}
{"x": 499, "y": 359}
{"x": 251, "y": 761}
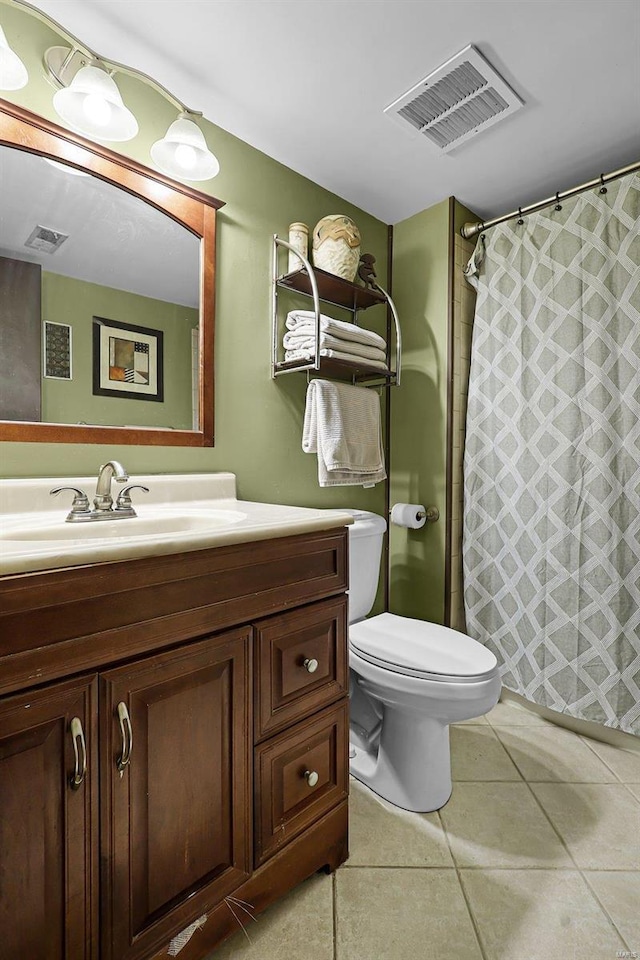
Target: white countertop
{"x": 26, "y": 507}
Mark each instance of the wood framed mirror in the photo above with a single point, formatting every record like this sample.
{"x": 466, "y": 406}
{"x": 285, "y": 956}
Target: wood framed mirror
{"x": 107, "y": 288}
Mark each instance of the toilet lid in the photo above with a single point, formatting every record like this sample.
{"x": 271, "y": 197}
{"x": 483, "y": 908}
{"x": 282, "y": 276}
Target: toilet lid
{"x": 420, "y": 649}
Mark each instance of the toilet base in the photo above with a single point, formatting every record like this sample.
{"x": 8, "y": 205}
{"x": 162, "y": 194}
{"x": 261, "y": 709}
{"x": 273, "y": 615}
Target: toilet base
{"x": 410, "y": 764}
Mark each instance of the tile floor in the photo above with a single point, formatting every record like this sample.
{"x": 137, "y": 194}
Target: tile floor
{"x": 536, "y": 856}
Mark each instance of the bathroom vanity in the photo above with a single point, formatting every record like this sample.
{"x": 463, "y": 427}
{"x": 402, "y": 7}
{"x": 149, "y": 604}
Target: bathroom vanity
{"x": 173, "y": 731}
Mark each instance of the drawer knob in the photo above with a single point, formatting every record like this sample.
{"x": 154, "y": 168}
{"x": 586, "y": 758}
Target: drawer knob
{"x": 310, "y": 665}
{"x": 311, "y": 777}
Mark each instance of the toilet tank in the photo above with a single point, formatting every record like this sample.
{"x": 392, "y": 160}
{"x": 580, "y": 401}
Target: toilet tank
{"x": 365, "y": 550}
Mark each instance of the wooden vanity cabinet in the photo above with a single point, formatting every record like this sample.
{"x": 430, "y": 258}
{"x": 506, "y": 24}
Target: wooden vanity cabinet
{"x": 211, "y": 692}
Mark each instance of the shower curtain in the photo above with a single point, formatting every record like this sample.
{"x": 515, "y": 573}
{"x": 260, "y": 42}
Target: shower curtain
{"x": 551, "y": 547}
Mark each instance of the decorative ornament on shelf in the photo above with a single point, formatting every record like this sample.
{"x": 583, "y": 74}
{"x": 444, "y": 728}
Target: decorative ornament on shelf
{"x": 298, "y": 238}
{"x": 336, "y": 246}
{"x": 367, "y": 271}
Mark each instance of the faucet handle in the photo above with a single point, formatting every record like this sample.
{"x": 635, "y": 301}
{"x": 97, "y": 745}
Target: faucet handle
{"x": 80, "y": 503}
{"x": 124, "y": 498}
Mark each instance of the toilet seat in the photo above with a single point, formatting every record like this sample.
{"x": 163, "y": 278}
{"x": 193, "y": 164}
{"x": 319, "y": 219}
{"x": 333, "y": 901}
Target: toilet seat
{"x": 419, "y": 649}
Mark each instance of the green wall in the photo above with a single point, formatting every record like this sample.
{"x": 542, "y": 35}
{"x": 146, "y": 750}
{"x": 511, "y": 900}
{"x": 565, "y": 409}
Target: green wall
{"x": 258, "y": 421}
{"x": 76, "y": 302}
{"x": 418, "y": 410}
{"x": 422, "y": 271}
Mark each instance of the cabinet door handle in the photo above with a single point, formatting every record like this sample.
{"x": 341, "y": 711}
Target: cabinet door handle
{"x": 311, "y": 777}
{"x": 310, "y": 665}
{"x": 127, "y": 736}
{"x": 80, "y": 759}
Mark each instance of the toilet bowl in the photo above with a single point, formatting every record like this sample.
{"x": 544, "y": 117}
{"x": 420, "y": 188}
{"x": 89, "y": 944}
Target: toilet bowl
{"x": 409, "y": 679}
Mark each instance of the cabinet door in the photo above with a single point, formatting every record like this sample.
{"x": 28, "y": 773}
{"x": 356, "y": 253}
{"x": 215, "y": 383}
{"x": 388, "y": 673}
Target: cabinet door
{"x": 48, "y": 840}
{"x": 175, "y": 741}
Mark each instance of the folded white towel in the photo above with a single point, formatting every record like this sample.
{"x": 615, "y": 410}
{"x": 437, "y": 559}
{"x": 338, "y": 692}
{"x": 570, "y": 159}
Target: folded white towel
{"x": 292, "y": 340}
{"x": 335, "y": 355}
{"x": 342, "y": 425}
{"x": 303, "y": 322}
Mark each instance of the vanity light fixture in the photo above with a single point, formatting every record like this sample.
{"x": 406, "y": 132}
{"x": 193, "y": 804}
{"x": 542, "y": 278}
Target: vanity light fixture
{"x": 92, "y": 105}
{"x": 183, "y": 151}
{"x": 88, "y": 100}
{"x": 13, "y": 73}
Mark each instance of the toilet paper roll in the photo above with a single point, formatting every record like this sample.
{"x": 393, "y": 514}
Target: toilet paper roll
{"x": 406, "y": 515}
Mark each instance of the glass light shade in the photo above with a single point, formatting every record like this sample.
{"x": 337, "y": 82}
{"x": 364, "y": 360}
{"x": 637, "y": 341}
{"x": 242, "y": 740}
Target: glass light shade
{"x": 13, "y": 73}
{"x": 183, "y": 152}
{"x": 92, "y": 105}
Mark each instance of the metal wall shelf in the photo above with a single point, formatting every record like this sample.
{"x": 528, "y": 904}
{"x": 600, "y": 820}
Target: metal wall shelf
{"x": 327, "y": 288}
{"x": 332, "y": 289}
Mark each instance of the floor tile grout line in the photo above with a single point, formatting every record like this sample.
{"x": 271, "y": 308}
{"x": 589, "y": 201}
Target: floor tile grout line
{"x": 334, "y": 911}
{"x": 582, "y": 873}
{"x": 463, "y": 891}
{"x": 553, "y": 826}
{"x": 603, "y": 908}
{"x": 615, "y": 783}
{"x": 496, "y": 730}
{"x": 529, "y": 723}
{"x": 535, "y": 780}
{"x": 570, "y": 783}
{"x": 629, "y": 790}
{"x": 633, "y": 750}
{"x": 510, "y": 780}
{"x": 543, "y": 722}
{"x": 527, "y": 726}
{"x": 547, "y": 817}
{"x": 585, "y": 740}
{"x": 485, "y": 866}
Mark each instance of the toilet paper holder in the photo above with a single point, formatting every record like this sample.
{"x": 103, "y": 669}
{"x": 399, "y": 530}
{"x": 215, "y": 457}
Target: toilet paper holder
{"x": 431, "y": 514}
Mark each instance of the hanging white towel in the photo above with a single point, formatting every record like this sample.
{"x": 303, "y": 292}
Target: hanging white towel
{"x": 342, "y": 425}
{"x": 303, "y": 323}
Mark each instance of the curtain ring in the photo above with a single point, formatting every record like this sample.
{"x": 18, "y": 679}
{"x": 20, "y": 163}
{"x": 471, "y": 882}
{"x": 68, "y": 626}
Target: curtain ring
{"x": 603, "y": 189}
{"x": 520, "y": 219}
{"x": 558, "y": 205}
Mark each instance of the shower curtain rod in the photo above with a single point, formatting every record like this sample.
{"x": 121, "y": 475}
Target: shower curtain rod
{"x": 470, "y": 230}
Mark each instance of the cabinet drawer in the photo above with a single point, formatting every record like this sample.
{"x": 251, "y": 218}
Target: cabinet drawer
{"x": 301, "y": 664}
{"x": 299, "y": 776}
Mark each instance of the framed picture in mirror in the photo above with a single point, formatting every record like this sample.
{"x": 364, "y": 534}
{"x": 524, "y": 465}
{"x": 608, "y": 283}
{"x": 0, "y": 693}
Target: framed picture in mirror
{"x": 127, "y": 361}
{"x": 56, "y": 351}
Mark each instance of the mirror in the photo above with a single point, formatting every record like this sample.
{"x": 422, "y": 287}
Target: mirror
{"x": 106, "y": 294}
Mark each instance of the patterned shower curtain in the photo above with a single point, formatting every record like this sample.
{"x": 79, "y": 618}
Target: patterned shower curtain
{"x": 552, "y": 463}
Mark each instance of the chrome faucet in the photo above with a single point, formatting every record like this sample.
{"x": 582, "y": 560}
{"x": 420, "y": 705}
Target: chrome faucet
{"x": 103, "y": 501}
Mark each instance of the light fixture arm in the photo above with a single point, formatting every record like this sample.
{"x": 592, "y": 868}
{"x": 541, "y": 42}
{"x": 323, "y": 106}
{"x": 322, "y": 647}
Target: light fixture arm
{"x": 76, "y": 46}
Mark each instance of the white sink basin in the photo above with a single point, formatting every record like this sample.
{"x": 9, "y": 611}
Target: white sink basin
{"x": 181, "y": 513}
{"x": 154, "y": 524}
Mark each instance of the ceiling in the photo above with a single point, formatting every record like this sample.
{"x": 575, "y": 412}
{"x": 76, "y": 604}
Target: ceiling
{"x": 306, "y": 81}
{"x": 114, "y": 238}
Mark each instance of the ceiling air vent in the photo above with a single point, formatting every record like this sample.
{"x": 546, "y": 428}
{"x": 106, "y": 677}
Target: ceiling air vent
{"x": 459, "y": 99}
{"x": 45, "y": 239}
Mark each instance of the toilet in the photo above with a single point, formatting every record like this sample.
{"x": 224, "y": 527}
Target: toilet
{"x": 409, "y": 680}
